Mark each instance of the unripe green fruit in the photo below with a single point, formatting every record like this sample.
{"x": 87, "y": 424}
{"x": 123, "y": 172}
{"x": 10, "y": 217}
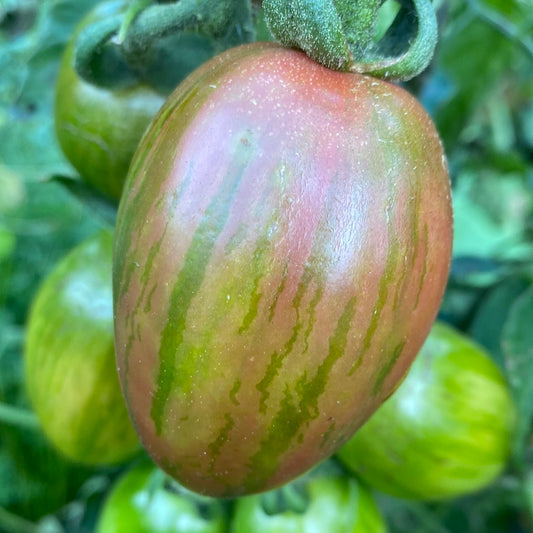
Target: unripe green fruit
{"x": 70, "y": 370}
{"x": 447, "y": 430}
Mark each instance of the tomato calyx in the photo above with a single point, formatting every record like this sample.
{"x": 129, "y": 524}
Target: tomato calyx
{"x": 321, "y": 500}
{"x": 344, "y": 35}
{"x": 291, "y": 497}
{"x": 388, "y": 39}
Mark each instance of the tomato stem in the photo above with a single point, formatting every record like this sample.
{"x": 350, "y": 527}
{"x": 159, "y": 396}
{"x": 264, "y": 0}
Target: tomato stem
{"x": 227, "y": 22}
{"x": 290, "y": 497}
{"x": 340, "y": 34}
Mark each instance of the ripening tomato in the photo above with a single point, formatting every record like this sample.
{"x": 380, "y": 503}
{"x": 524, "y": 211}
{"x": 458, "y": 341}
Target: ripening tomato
{"x": 282, "y": 248}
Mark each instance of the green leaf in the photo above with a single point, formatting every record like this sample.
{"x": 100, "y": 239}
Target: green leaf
{"x": 7, "y": 243}
{"x": 517, "y": 344}
{"x": 102, "y": 207}
{"x": 463, "y": 67}
{"x": 29, "y": 66}
{"x": 491, "y": 212}
{"x": 513, "y": 18}
{"x": 12, "y": 190}
{"x": 526, "y": 119}
{"x": 11, "y": 338}
{"x": 492, "y": 312}
{"x": 47, "y": 224}
{"x": 35, "y": 479}
{"x": 493, "y": 510}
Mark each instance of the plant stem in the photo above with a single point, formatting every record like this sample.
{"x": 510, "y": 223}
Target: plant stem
{"x": 17, "y": 416}
{"x": 227, "y": 22}
{"x": 12, "y": 523}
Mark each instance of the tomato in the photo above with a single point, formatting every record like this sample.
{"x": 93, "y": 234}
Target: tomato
{"x": 446, "y": 432}
{"x": 141, "y": 502}
{"x": 328, "y": 502}
{"x": 98, "y": 128}
{"x": 70, "y": 370}
{"x": 282, "y": 248}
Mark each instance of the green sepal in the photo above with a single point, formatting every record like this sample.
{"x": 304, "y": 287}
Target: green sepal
{"x": 340, "y": 34}
{"x": 398, "y": 64}
{"x": 313, "y": 26}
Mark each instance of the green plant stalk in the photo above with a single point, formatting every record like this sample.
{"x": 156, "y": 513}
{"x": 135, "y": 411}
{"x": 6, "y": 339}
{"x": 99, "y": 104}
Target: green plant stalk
{"x": 133, "y": 10}
{"x": 16, "y": 416}
{"x": 12, "y": 523}
{"x": 165, "y": 19}
{"x": 228, "y": 22}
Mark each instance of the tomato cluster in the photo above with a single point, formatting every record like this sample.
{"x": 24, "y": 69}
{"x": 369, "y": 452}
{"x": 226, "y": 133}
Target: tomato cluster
{"x": 281, "y": 250}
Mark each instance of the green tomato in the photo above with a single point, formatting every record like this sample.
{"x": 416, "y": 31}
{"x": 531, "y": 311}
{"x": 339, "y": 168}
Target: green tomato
{"x": 141, "y": 502}
{"x": 331, "y": 502}
{"x": 445, "y": 432}
{"x": 98, "y": 128}
{"x": 70, "y": 369}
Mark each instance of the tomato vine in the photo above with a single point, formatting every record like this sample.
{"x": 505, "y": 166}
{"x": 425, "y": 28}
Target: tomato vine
{"x": 227, "y": 22}
{"x": 340, "y": 34}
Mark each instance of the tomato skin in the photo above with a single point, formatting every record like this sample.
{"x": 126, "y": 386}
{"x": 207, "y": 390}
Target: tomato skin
{"x": 99, "y": 128}
{"x": 139, "y": 502}
{"x": 282, "y": 248}
{"x": 447, "y": 431}
{"x": 70, "y": 368}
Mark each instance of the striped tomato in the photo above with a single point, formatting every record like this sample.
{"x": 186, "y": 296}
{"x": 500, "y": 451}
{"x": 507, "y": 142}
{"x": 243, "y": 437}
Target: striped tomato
{"x": 282, "y": 248}
{"x": 69, "y": 359}
{"x": 447, "y": 431}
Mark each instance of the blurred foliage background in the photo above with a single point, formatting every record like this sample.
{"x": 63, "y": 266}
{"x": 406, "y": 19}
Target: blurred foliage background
{"x": 479, "y": 89}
